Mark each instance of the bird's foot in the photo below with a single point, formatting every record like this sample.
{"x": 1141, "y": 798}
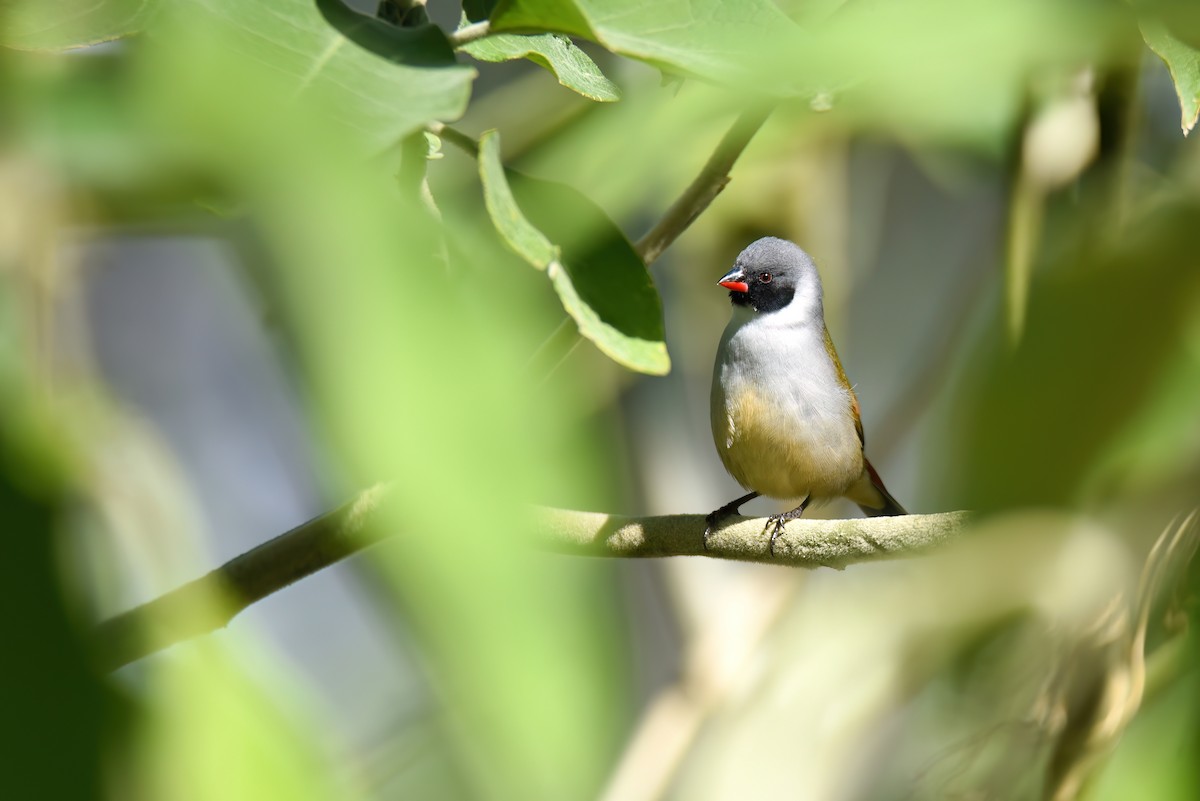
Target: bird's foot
{"x": 712, "y": 519}
{"x": 776, "y": 523}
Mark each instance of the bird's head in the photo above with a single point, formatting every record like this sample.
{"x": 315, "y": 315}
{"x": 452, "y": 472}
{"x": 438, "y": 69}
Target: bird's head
{"x": 771, "y": 274}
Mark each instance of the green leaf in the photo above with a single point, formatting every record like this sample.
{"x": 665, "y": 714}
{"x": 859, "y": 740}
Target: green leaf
{"x": 38, "y": 25}
{"x": 714, "y": 39}
{"x": 1183, "y": 61}
{"x": 580, "y": 301}
{"x": 384, "y": 81}
{"x": 517, "y": 232}
{"x": 600, "y": 279}
{"x": 573, "y": 68}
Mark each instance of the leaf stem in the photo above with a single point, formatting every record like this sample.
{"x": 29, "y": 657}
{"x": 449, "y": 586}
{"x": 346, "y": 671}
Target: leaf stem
{"x": 469, "y": 33}
{"x": 462, "y": 141}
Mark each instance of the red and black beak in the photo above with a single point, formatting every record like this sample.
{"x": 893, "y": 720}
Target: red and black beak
{"x": 735, "y": 280}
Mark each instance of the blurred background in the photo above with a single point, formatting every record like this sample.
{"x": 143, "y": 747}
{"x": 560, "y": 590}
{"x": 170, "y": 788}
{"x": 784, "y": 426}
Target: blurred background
{"x": 232, "y": 297}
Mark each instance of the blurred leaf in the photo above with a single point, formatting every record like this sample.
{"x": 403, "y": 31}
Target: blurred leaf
{"x": 38, "y": 25}
{"x": 1156, "y": 755}
{"x": 412, "y": 368}
{"x": 600, "y": 279}
{"x": 60, "y": 719}
{"x": 383, "y": 81}
{"x": 573, "y": 68}
{"x": 1183, "y": 61}
{"x": 720, "y": 40}
{"x": 1180, "y": 17}
{"x": 1162, "y": 439}
{"x": 886, "y": 62}
{"x": 203, "y": 710}
{"x": 51, "y": 750}
{"x": 1101, "y": 336}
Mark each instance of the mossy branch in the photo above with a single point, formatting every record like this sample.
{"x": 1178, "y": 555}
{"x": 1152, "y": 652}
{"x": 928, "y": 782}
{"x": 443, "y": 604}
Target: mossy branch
{"x": 189, "y": 611}
{"x": 804, "y": 543}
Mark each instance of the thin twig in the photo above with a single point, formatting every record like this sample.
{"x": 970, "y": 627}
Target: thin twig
{"x": 708, "y": 184}
{"x": 470, "y": 33}
{"x": 181, "y": 614}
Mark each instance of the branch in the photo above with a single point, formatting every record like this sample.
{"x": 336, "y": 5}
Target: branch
{"x": 804, "y": 543}
{"x": 705, "y": 188}
{"x": 189, "y": 612}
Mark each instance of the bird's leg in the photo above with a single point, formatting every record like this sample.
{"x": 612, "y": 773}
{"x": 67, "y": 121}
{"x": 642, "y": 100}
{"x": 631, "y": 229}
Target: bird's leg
{"x": 725, "y": 511}
{"x": 775, "y": 523}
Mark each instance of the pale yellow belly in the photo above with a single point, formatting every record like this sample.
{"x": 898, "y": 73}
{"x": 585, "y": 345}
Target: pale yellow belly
{"x": 781, "y": 452}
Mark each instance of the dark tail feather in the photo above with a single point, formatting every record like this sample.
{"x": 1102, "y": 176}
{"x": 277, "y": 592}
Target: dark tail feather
{"x": 890, "y": 505}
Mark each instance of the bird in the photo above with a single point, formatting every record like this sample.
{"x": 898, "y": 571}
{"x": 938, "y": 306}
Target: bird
{"x": 785, "y": 418}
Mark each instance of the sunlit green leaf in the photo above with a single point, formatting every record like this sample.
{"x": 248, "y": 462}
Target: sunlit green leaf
{"x": 38, "y": 25}
{"x": 383, "y": 81}
{"x": 636, "y": 353}
{"x": 530, "y": 243}
{"x": 714, "y": 39}
{"x": 600, "y": 279}
{"x": 1183, "y": 61}
{"x": 573, "y": 68}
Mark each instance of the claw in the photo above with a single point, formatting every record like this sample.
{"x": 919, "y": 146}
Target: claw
{"x": 775, "y": 524}
{"x": 710, "y": 521}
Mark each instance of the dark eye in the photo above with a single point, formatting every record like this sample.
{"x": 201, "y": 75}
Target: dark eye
{"x": 764, "y": 277}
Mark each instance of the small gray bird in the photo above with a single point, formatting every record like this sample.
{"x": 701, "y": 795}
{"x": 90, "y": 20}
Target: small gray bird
{"x": 784, "y": 416}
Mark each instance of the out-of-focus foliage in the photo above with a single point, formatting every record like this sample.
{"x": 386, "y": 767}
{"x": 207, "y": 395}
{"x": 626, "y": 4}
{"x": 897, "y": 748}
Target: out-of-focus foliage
{"x": 382, "y": 82}
{"x": 425, "y": 352}
{"x": 77, "y": 23}
{"x": 708, "y": 38}
{"x": 1081, "y": 373}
